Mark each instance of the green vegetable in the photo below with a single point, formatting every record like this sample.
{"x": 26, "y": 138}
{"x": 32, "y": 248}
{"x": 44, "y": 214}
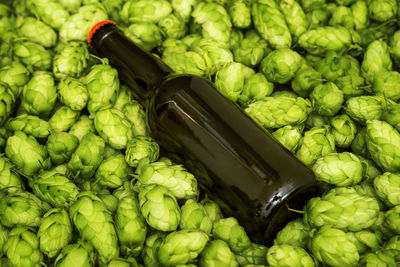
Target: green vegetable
{"x": 342, "y": 16}
{"x": 387, "y": 187}
{"x": 270, "y": 22}
{"x": 181, "y": 247}
{"x": 15, "y": 75}
{"x": 343, "y": 208}
{"x": 54, "y": 187}
{"x": 231, "y": 232}
{"x": 33, "y": 55}
{"x": 26, "y": 154}
{"x": 217, "y": 254}
{"x": 55, "y": 232}
{"x": 88, "y": 156}
{"x": 382, "y": 11}
{"x": 112, "y": 172}
{"x": 364, "y": 108}
{"x": 343, "y": 130}
{"x": 10, "y": 181}
{"x": 275, "y": 112}
{"x": 287, "y": 255}
{"x": 295, "y": 233}
{"x": 393, "y": 244}
{"x": 63, "y": 119}
{"x": 289, "y": 136}
{"x": 376, "y": 59}
{"x": 180, "y": 183}
{"x": 185, "y": 62}
{"x": 31, "y": 125}
{"x": 22, "y": 247}
{"x": 82, "y": 127}
{"x": 383, "y": 145}
{"x": 71, "y": 60}
{"x": 39, "y": 94}
{"x": 327, "y": 99}
{"x": 194, "y": 217}
{"x": 78, "y": 254}
{"x": 145, "y": 34}
{"x": 316, "y": 142}
{"x": 240, "y": 13}
{"x": 21, "y": 208}
{"x": 359, "y": 11}
{"x": 332, "y": 246}
{"x": 172, "y": 26}
{"x": 79, "y": 24}
{"x": 295, "y": 17}
{"x": 37, "y": 31}
{"x": 254, "y": 255}
{"x": 143, "y": 11}
{"x": 159, "y": 207}
{"x": 140, "y": 150}
{"x": 95, "y": 224}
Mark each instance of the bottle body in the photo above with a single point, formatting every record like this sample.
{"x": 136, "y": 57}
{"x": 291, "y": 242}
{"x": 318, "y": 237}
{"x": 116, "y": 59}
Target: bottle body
{"x": 238, "y": 164}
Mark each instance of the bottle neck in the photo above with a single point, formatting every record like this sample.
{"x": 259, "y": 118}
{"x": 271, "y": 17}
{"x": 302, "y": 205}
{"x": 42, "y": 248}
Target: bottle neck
{"x": 138, "y": 69}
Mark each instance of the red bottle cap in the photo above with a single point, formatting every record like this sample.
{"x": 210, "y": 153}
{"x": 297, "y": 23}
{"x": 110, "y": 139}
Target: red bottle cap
{"x": 97, "y": 26}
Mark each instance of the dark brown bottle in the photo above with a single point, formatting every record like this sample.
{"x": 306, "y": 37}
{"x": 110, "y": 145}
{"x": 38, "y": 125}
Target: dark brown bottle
{"x": 238, "y": 164}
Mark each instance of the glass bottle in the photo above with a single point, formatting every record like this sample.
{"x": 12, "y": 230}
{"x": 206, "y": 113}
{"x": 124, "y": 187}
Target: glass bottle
{"x": 237, "y": 163}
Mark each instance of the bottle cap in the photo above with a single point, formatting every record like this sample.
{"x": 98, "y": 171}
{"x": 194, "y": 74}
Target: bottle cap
{"x": 97, "y": 26}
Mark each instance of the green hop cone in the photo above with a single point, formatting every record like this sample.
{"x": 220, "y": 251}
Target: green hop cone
{"x": 95, "y": 224}
{"x": 287, "y": 255}
{"x": 371, "y": 170}
{"x": 78, "y": 254}
{"x": 108, "y": 199}
{"x": 378, "y": 258}
{"x": 351, "y": 85}
{"x": 376, "y": 59}
{"x": 254, "y": 255}
{"x": 217, "y": 254}
{"x": 276, "y": 112}
{"x": 270, "y": 23}
{"x": 366, "y": 188}
{"x": 340, "y": 169}
{"x": 364, "y": 108}
{"x": 295, "y": 233}
{"x": 231, "y": 232}
{"x": 22, "y": 247}
{"x": 343, "y": 129}
{"x": 186, "y": 62}
{"x": 383, "y": 145}
{"x": 333, "y": 247}
{"x": 289, "y": 136}
{"x": 382, "y": 11}
{"x": 359, "y": 12}
{"x": 159, "y": 208}
{"x": 82, "y": 127}
{"x": 334, "y": 66}
{"x": 194, "y": 217}
{"x": 305, "y": 80}
{"x": 386, "y": 84}
{"x": 231, "y": 78}
{"x": 32, "y": 55}
{"x": 387, "y": 187}
{"x": 49, "y": 11}
{"x": 395, "y": 47}
{"x": 392, "y": 219}
{"x": 71, "y": 60}
{"x": 365, "y": 240}
{"x": 342, "y": 16}
{"x": 315, "y": 143}
{"x": 31, "y": 125}
{"x": 55, "y": 232}
{"x": 38, "y": 32}
{"x": 146, "y": 34}
{"x": 183, "y": 8}
{"x": 149, "y": 253}
{"x": 141, "y": 149}
{"x": 120, "y": 262}
{"x": 240, "y": 12}
{"x": 295, "y": 17}
{"x": 7, "y": 102}
{"x": 54, "y": 187}
{"x": 250, "y": 50}
{"x": 39, "y": 94}
{"x": 391, "y": 115}
{"x": 73, "y": 93}
{"x": 4, "y": 134}
{"x": 26, "y": 154}
{"x": 3, "y": 238}
{"x": 214, "y": 20}
{"x": 180, "y": 183}
{"x": 320, "y": 40}
{"x": 136, "y": 115}
{"x": 181, "y": 247}
{"x": 255, "y": 88}
{"x": 130, "y": 224}
{"x": 10, "y": 181}
{"x": 103, "y": 86}
{"x": 60, "y": 146}
{"x": 393, "y": 244}
{"x": 172, "y": 26}
{"x": 143, "y": 11}
{"x": 284, "y": 93}
{"x": 112, "y": 171}
{"x": 15, "y": 75}
{"x": 79, "y": 24}
{"x": 327, "y": 99}
{"x": 212, "y": 209}
{"x": 21, "y": 208}
{"x": 281, "y": 65}
{"x": 343, "y": 208}
{"x": 63, "y": 119}
{"x": 88, "y": 156}
{"x": 112, "y": 126}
